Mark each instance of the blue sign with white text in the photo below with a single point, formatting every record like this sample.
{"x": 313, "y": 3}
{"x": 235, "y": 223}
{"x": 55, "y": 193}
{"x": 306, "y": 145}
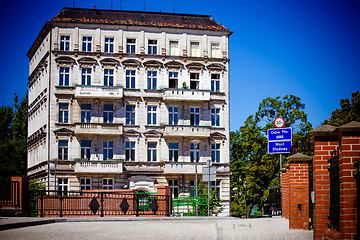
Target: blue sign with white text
{"x": 279, "y": 134}
{"x": 279, "y": 147}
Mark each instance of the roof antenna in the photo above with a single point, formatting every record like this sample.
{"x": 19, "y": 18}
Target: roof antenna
{"x": 174, "y": 6}
{"x": 144, "y": 5}
{"x": 74, "y": 4}
{"x": 120, "y": 4}
{"x": 111, "y": 5}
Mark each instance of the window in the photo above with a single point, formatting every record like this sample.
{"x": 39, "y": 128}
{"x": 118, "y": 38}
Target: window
{"x": 151, "y": 79}
{"x": 215, "y": 82}
{"x": 63, "y": 186}
{"x": 194, "y": 116}
{"x": 215, "y": 185}
{"x": 64, "y": 76}
{"x": 86, "y": 44}
{"x": 173, "y": 152}
{"x": 108, "y": 114}
{"x": 108, "y": 183}
{"x": 174, "y": 185}
{"x": 174, "y": 48}
{"x": 129, "y": 151}
{"x": 107, "y": 150}
{"x": 152, "y": 47}
{"x": 151, "y": 115}
{"x": 109, "y": 45}
{"x": 194, "y": 152}
{"x": 151, "y": 151}
{"x": 173, "y": 115}
{"x": 130, "y": 45}
{"x": 215, "y": 50}
{"x": 63, "y": 150}
{"x": 173, "y": 79}
{"x": 130, "y": 114}
{"x": 63, "y": 113}
{"x": 130, "y": 78}
{"x": 194, "y": 80}
{"x": 85, "y": 149}
{"x": 109, "y": 77}
{"x": 215, "y": 117}
{"x": 215, "y": 152}
{"x": 85, "y": 113}
{"x": 85, "y": 184}
{"x": 86, "y": 76}
{"x": 64, "y": 43}
{"x": 194, "y": 49}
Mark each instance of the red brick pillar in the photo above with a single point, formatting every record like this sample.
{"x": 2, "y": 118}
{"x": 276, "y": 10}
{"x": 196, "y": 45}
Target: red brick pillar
{"x": 325, "y": 141}
{"x": 349, "y": 153}
{"x": 287, "y": 167}
{"x": 23, "y": 186}
{"x": 299, "y": 191}
{"x": 165, "y": 205}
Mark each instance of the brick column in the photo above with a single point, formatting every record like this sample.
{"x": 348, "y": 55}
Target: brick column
{"x": 299, "y": 191}
{"x": 287, "y": 167}
{"x": 325, "y": 141}
{"x": 349, "y": 153}
{"x": 164, "y": 193}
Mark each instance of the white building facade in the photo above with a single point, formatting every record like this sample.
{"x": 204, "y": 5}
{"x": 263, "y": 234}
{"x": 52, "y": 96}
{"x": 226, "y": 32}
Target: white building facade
{"x": 121, "y": 99}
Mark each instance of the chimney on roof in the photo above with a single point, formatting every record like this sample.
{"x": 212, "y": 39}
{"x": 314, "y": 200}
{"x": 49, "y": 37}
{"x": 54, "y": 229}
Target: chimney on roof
{"x": 94, "y": 6}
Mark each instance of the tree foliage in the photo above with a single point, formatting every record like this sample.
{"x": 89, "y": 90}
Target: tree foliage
{"x": 13, "y": 133}
{"x": 349, "y": 111}
{"x": 254, "y": 171}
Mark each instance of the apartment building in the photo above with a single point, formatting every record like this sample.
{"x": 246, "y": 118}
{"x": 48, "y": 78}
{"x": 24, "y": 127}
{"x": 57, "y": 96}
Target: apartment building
{"x": 125, "y": 99}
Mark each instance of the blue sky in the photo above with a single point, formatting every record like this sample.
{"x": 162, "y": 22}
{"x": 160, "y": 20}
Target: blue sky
{"x": 307, "y": 48}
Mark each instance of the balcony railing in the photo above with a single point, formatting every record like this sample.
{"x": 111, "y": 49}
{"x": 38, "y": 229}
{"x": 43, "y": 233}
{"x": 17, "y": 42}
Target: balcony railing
{"x": 99, "y": 128}
{"x": 183, "y": 167}
{"x": 82, "y": 91}
{"x": 185, "y": 130}
{"x": 186, "y": 94}
{"x": 86, "y": 166}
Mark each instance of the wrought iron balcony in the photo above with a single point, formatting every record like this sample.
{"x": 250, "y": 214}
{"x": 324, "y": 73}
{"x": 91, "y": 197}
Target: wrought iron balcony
{"x": 186, "y": 131}
{"x": 113, "y": 92}
{"x": 186, "y": 94}
{"x": 99, "y": 128}
{"x": 107, "y": 166}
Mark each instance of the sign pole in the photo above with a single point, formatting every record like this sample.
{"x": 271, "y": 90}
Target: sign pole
{"x": 280, "y": 169}
{"x": 196, "y": 187}
{"x": 208, "y": 163}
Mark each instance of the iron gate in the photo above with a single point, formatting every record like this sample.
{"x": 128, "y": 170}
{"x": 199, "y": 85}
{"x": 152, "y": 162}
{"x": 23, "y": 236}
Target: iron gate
{"x": 334, "y": 215}
{"x": 275, "y": 201}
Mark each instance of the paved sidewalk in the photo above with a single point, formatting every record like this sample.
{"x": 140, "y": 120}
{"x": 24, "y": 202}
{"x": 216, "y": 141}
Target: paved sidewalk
{"x": 151, "y": 228}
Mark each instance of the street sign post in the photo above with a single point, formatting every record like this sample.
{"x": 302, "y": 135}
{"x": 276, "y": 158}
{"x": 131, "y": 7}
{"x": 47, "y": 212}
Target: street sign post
{"x": 209, "y": 174}
{"x": 279, "y": 147}
{"x": 280, "y": 134}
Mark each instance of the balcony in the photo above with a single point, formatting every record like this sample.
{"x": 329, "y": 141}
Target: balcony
{"x": 85, "y": 166}
{"x": 98, "y": 128}
{"x": 82, "y": 91}
{"x": 64, "y": 90}
{"x": 186, "y": 131}
{"x": 182, "y": 167}
{"x": 186, "y": 95}
{"x": 143, "y": 167}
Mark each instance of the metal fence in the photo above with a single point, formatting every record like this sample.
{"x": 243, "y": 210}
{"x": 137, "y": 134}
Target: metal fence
{"x": 10, "y": 195}
{"x": 275, "y": 201}
{"x": 334, "y": 215}
{"x": 98, "y": 204}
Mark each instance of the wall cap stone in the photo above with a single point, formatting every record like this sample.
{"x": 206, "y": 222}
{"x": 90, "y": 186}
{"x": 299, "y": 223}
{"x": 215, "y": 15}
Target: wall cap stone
{"x": 353, "y": 126}
{"x": 299, "y": 157}
{"x": 326, "y": 130}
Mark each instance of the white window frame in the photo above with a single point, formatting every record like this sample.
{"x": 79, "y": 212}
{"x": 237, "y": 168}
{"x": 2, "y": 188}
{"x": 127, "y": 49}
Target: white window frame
{"x": 215, "y": 152}
{"x": 130, "y": 150}
{"x": 108, "y": 115}
{"x": 195, "y": 111}
{"x": 63, "y": 150}
{"x": 215, "y": 82}
{"x": 63, "y": 185}
{"x": 130, "y": 80}
{"x": 64, "y": 76}
{"x": 152, "y": 80}
{"x": 108, "y": 77}
{"x": 65, "y": 43}
{"x": 173, "y": 115}
{"x": 108, "y": 183}
{"x": 86, "y": 112}
{"x": 109, "y": 45}
{"x": 174, "y": 78}
{"x": 108, "y": 147}
{"x": 86, "y": 76}
{"x": 131, "y": 46}
{"x": 152, "y": 152}
{"x": 151, "y": 115}
{"x": 194, "y": 77}
{"x": 86, "y": 44}
{"x": 85, "y": 150}
{"x": 174, "y": 152}
{"x": 85, "y": 184}
{"x": 152, "y": 47}
{"x": 215, "y": 117}
{"x": 130, "y": 115}
{"x": 173, "y": 48}
{"x": 194, "y": 151}
{"x": 63, "y": 113}
{"x": 215, "y": 50}
{"x": 194, "y": 49}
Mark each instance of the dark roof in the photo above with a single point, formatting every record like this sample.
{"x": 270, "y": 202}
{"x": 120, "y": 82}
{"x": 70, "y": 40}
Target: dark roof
{"x": 135, "y": 18}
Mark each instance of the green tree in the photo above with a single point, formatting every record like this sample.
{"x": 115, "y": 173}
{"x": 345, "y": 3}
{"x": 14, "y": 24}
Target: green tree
{"x": 214, "y": 202}
{"x": 349, "y": 111}
{"x": 13, "y": 133}
{"x": 254, "y": 171}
